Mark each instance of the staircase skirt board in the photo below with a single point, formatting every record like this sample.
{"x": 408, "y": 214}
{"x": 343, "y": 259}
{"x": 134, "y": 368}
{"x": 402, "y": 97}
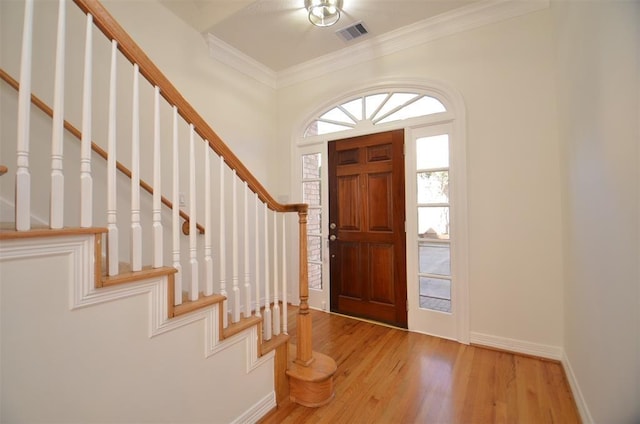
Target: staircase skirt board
{"x": 83, "y": 247}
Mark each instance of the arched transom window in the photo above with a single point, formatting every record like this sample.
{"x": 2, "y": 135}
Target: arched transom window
{"x": 374, "y": 109}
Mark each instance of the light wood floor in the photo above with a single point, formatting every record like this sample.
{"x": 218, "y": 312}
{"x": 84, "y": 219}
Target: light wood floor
{"x": 390, "y": 376}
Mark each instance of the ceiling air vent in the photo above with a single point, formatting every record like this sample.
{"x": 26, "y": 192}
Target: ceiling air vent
{"x": 351, "y": 32}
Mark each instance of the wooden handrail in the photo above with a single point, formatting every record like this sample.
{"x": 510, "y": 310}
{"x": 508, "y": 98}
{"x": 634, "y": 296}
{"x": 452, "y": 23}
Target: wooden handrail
{"x": 112, "y": 30}
{"x": 96, "y": 148}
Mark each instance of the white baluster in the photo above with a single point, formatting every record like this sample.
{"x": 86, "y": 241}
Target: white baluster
{"x": 175, "y": 211}
{"x": 112, "y": 235}
{"x": 276, "y": 301}
{"x": 157, "y": 184}
{"x": 56, "y": 220}
{"x": 247, "y": 275}
{"x": 136, "y": 229}
{"x": 23, "y": 175}
{"x": 223, "y": 256}
{"x": 285, "y": 327}
{"x": 234, "y": 251}
{"x": 257, "y": 255}
{"x": 267, "y": 280}
{"x": 193, "y": 247}
{"x": 86, "y": 180}
{"x": 208, "y": 259}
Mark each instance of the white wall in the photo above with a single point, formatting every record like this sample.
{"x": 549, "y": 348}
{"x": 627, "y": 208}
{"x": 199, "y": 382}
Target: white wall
{"x": 599, "y": 93}
{"x": 505, "y": 74}
{"x": 237, "y": 107}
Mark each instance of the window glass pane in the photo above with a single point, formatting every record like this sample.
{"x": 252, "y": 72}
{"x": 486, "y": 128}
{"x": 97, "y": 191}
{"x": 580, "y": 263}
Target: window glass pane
{"x": 373, "y": 102}
{"x": 434, "y": 258}
{"x": 433, "y": 187}
{"x": 315, "y": 276}
{"x": 311, "y": 193}
{"x": 314, "y": 222}
{"x": 435, "y": 294}
{"x": 354, "y": 107}
{"x": 432, "y": 152}
{"x": 424, "y": 106}
{"x": 311, "y": 165}
{"x": 314, "y": 248}
{"x": 397, "y": 99}
{"x": 338, "y": 115}
{"x": 327, "y": 127}
{"x": 433, "y": 222}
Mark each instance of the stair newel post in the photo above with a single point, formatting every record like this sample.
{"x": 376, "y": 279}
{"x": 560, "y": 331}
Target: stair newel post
{"x": 208, "y": 259}
{"x": 245, "y": 244}
{"x": 276, "y": 301}
{"x": 56, "y": 220}
{"x": 193, "y": 246}
{"x": 175, "y": 211}
{"x": 285, "y": 327}
{"x": 23, "y": 175}
{"x": 303, "y": 348}
{"x": 86, "y": 180}
{"x": 136, "y": 229}
{"x": 157, "y": 181}
{"x": 267, "y": 280}
{"x": 234, "y": 250}
{"x": 223, "y": 256}
{"x": 256, "y": 241}
{"x": 113, "y": 257}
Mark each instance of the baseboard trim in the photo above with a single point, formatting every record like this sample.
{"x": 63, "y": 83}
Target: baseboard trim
{"x": 581, "y": 404}
{"x": 517, "y": 346}
{"x": 258, "y": 410}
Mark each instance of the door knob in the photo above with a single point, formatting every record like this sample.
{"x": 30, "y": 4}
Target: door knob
{"x": 332, "y": 237}
{"x": 332, "y": 225}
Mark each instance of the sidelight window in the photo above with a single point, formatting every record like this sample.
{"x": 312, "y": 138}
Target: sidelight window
{"x": 312, "y": 195}
{"x": 434, "y": 241}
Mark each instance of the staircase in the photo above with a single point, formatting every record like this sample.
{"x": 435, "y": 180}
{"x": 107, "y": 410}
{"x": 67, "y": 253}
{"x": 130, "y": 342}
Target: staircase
{"x": 124, "y": 238}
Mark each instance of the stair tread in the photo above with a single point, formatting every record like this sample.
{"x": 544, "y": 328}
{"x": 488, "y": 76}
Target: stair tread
{"x": 8, "y": 231}
{"x": 274, "y": 343}
{"x": 240, "y": 326}
{"x": 203, "y": 301}
{"x": 132, "y": 276}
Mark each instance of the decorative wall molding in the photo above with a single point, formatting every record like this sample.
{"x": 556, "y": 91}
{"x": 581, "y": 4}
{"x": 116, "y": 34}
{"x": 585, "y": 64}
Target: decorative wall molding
{"x": 239, "y": 61}
{"x": 82, "y": 293}
{"x": 258, "y": 410}
{"x": 473, "y": 16}
{"x": 585, "y": 414}
{"x": 517, "y": 346}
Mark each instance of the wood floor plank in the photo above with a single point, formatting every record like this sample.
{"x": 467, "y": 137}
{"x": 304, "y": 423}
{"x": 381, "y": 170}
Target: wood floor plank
{"x": 388, "y": 375}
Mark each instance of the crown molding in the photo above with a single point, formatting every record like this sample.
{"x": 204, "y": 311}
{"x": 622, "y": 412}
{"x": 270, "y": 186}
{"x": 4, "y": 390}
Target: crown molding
{"x": 230, "y": 56}
{"x": 473, "y": 16}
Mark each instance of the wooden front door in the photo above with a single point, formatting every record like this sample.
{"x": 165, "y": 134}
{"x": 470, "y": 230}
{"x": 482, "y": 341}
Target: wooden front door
{"x": 367, "y": 227}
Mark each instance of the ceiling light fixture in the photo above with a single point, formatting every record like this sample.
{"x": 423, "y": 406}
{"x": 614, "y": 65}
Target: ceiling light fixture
{"x": 323, "y": 13}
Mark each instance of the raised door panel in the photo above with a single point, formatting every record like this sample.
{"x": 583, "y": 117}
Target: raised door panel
{"x": 382, "y": 273}
{"x": 380, "y": 202}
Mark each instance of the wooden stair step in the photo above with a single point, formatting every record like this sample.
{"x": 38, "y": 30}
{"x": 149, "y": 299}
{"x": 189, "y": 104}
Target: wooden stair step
{"x": 132, "y": 276}
{"x": 238, "y": 327}
{"x": 8, "y": 231}
{"x": 311, "y": 384}
{"x": 189, "y": 306}
{"x": 275, "y": 342}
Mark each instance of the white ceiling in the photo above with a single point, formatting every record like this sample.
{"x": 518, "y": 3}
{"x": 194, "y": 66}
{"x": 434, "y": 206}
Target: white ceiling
{"x": 277, "y": 33}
